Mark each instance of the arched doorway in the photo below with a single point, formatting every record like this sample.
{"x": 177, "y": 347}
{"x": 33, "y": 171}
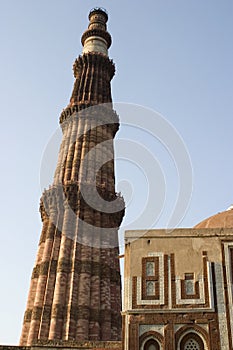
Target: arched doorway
{"x": 151, "y": 344}
{"x": 191, "y": 341}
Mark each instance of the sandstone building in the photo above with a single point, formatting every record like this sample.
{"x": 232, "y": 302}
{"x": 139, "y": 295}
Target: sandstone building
{"x": 75, "y": 291}
{"x": 179, "y": 287}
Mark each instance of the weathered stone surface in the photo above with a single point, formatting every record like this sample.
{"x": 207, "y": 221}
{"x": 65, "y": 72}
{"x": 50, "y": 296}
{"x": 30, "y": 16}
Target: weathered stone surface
{"x": 173, "y": 314}
{"x": 75, "y": 290}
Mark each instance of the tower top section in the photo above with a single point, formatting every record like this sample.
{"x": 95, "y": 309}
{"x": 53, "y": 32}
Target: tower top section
{"x": 96, "y": 39}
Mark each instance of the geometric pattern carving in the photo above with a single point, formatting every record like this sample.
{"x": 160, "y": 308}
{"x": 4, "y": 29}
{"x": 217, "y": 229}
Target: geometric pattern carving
{"x": 191, "y": 344}
{"x": 75, "y": 290}
{"x": 151, "y": 272}
{"x": 228, "y": 277}
{"x": 202, "y": 289}
{"x": 193, "y": 337}
{"x": 150, "y": 288}
{"x": 189, "y": 284}
{"x": 158, "y": 284}
{"x": 196, "y": 297}
{"x": 150, "y": 268}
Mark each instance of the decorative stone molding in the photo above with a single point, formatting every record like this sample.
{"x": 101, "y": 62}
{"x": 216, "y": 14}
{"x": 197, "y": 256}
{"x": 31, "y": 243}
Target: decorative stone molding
{"x": 192, "y": 331}
{"x": 75, "y": 290}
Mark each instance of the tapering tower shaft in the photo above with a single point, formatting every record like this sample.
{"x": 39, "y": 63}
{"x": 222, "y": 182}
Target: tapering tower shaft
{"x": 75, "y": 291}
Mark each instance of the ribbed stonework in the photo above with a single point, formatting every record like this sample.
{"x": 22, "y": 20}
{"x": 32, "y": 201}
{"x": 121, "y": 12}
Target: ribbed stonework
{"x": 75, "y": 291}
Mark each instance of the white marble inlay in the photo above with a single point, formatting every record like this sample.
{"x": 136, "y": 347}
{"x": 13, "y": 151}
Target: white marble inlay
{"x": 127, "y": 300}
{"x": 159, "y": 301}
{"x": 95, "y": 44}
{"x": 200, "y": 300}
{"x": 144, "y": 328}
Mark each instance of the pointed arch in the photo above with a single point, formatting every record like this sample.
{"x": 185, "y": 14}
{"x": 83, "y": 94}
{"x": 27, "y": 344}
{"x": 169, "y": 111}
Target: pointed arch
{"x": 151, "y": 340}
{"x": 194, "y": 337}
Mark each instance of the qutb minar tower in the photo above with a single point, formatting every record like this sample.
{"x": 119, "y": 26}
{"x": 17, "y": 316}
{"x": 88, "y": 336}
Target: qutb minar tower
{"x": 75, "y": 291}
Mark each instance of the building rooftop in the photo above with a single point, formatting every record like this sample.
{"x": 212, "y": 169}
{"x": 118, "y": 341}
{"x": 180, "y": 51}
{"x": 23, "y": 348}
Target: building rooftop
{"x": 220, "y": 220}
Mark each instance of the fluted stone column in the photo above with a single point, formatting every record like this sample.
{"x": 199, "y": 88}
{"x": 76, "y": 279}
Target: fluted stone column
{"x": 75, "y": 291}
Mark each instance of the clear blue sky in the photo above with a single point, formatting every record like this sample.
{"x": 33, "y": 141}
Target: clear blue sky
{"x": 175, "y": 57}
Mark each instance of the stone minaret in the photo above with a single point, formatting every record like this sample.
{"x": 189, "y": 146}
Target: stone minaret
{"x": 75, "y": 291}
